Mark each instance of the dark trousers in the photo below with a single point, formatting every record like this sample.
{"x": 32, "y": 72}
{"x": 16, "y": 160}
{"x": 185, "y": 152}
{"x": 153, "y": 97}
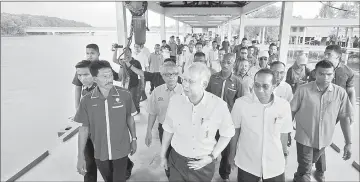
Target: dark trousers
{"x": 161, "y": 132}
{"x": 321, "y": 163}
{"x": 91, "y": 174}
{"x": 244, "y": 176}
{"x": 113, "y": 170}
{"x": 152, "y": 86}
{"x": 306, "y": 156}
{"x": 135, "y": 91}
{"x": 179, "y": 170}
{"x": 225, "y": 167}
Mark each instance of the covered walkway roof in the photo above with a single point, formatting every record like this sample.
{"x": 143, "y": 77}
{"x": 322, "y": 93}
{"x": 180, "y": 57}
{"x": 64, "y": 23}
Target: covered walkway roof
{"x": 205, "y": 14}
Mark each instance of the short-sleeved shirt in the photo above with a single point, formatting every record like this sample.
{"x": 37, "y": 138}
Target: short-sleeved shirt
{"x": 283, "y": 90}
{"x": 247, "y": 82}
{"x": 273, "y": 57}
{"x": 227, "y": 89}
{"x": 317, "y": 113}
{"x": 172, "y": 48}
{"x": 134, "y": 78}
{"x": 142, "y": 58}
{"x": 77, "y": 82}
{"x": 344, "y": 76}
{"x": 155, "y": 61}
{"x": 195, "y": 127}
{"x": 259, "y": 149}
{"x": 180, "y": 48}
{"x": 107, "y": 121}
{"x": 156, "y": 78}
{"x": 159, "y": 100}
{"x": 166, "y": 47}
{"x": 294, "y": 74}
{"x": 86, "y": 90}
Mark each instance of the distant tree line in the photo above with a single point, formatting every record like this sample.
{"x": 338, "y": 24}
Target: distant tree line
{"x": 15, "y": 24}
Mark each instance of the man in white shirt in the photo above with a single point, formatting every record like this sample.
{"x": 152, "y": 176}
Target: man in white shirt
{"x": 192, "y": 131}
{"x": 213, "y": 57}
{"x": 282, "y": 90}
{"x": 259, "y": 119}
{"x": 144, "y": 61}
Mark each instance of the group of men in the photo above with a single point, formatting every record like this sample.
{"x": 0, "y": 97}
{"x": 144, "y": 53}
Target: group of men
{"x": 242, "y": 110}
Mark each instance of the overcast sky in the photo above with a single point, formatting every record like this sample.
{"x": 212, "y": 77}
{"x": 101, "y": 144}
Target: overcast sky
{"x": 103, "y": 14}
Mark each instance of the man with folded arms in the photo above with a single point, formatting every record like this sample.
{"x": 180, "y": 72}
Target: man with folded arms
{"x": 192, "y": 129}
{"x": 260, "y": 118}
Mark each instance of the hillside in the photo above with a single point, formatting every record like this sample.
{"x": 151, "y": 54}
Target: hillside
{"x": 14, "y": 24}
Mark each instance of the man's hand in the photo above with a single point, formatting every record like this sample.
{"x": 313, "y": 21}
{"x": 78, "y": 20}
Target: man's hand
{"x": 148, "y": 139}
{"x": 81, "y": 166}
{"x": 200, "y": 163}
{"x": 232, "y": 164}
{"x": 113, "y": 47}
{"x": 133, "y": 147}
{"x": 347, "y": 152}
{"x": 163, "y": 163}
{"x": 289, "y": 140}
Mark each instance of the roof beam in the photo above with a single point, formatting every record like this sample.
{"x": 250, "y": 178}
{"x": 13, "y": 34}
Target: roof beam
{"x": 303, "y": 22}
{"x": 251, "y": 7}
{"x": 153, "y": 6}
{"x": 201, "y": 11}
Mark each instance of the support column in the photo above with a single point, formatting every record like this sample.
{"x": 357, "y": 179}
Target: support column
{"x": 242, "y": 27}
{"x": 304, "y": 35}
{"x": 162, "y": 27}
{"x": 337, "y": 35}
{"x": 229, "y": 31}
{"x": 286, "y": 17}
{"x": 121, "y": 25}
{"x": 177, "y": 27}
{"x": 263, "y": 36}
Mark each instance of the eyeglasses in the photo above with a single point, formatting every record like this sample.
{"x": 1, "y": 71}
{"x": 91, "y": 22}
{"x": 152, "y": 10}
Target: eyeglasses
{"x": 279, "y": 72}
{"x": 243, "y": 52}
{"x": 264, "y": 86}
{"x": 187, "y": 80}
{"x": 263, "y": 58}
{"x": 171, "y": 74}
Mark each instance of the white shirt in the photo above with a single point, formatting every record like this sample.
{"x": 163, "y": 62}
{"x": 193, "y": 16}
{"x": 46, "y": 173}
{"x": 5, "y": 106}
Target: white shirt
{"x": 259, "y": 149}
{"x": 195, "y": 127}
{"x": 142, "y": 58}
{"x": 283, "y": 90}
{"x": 146, "y": 51}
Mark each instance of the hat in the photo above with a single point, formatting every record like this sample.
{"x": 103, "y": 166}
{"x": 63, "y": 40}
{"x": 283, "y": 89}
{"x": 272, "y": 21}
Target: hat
{"x": 263, "y": 54}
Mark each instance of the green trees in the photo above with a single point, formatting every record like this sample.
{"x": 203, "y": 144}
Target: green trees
{"x": 14, "y": 24}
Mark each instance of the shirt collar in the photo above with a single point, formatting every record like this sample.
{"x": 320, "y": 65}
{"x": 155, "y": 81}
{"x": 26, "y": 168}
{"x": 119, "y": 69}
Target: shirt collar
{"x": 256, "y": 100}
{"x": 330, "y": 88}
{"x": 176, "y": 88}
{"x": 96, "y": 92}
{"x": 202, "y": 101}
{"x": 218, "y": 75}
{"x": 90, "y": 87}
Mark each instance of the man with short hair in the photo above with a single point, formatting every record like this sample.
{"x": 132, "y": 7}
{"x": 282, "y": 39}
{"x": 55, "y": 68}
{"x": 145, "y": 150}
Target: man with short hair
{"x": 298, "y": 74}
{"x": 173, "y": 47}
{"x": 344, "y": 77}
{"x": 242, "y": 71}
{"x": 259, "y": 119}
{"x": 226, "y": 45}
{"x": 199, "y": 47}
{"x": 144, "y": 61}
{"x": 159, "y": 100}
{"x": 116, "y": 104}
{"x": 273, "y": 53}
{"x": 156, "y": 59}
{"x": 213, "y": 57}
{"x": 317, "y": 106}
{"x": 226, "y": 86}
{"x": 257, "y": 50}
{"x": 192, "y": 131}
{"x": 237, "y": 48}
{"x": 165, "y": 49}
{"x": 282, "y": 90}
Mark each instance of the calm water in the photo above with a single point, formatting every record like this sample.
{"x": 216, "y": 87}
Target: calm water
{"x": 37, "y": 96}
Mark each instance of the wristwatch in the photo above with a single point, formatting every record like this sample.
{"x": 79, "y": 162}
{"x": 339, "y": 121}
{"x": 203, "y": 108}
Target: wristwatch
{"x": 134, "y": 138}
{"x": 212, "y": 157}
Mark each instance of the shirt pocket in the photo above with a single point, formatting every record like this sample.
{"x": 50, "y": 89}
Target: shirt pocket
{"x": 230, "y": 93}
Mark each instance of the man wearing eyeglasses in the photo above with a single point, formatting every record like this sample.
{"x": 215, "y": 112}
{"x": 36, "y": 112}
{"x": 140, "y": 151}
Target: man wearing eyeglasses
{"x": 282, "y": 90}
{"x": 227, "y": 86}
{"x": 263, "y": 63}
{"x": 259, "y": 120}
{"x": 190, "y": 124}
{"x": 159, "y": 101}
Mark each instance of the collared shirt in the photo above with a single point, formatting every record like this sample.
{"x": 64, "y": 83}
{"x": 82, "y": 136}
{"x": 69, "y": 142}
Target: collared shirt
{"x": 107, "y": 121}
{"x": 344, "y": 76}
{"x": 295, "y": 74}
{"x": 283, "y": 90}
{"x": 228, "y": 89}
{"x": 273, "y": 57}
{"x": 259, "y": 149}
{"x": 155, "y": 61}
{"x": 317, "y": 113}
{"x": 134, "y": 78}
{"x": 173, "y": 47}
{"x": 159, "y": 100}
{"x": 247, "y": 82}
{"x": 195, "y": 127}
{"x": 142, "y": 58}
{"x": 77, "y": 82}
{"x": 85, "y": 90}
{"x": 156, "y": 78}
{"x": 189, "y": 60}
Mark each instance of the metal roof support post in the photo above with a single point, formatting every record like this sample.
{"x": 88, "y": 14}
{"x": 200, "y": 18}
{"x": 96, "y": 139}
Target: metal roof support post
{"x": 304, "y": 35}
{"x": 177, "y": 27}
{"x": 286, "y": 17}
{"x": 121, "y": 24}
{"x": 162, "y": 27}
{"x": 229, "y": 30}
{"x": 263, "y": 35}
{"x": 242, "y": 27}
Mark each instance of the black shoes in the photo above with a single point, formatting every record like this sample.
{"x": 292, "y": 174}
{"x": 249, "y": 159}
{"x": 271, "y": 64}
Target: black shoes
{"x": 129, "y": 169}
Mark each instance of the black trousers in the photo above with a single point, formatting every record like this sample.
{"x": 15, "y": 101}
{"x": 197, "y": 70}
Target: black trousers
{"x": 152, "y": 87}
{"x": 113, "y": 170}
{"x": 179, "y": 170}
{"x": 225, "y": 167}
{"x": 161, "y": 132}
{"x": 135, "y": 94}
{"x": 321, "y": 163}
{"x": 91, "y": 174}
{"x": 244, "y": 176}
{"x": 306, "y": 156}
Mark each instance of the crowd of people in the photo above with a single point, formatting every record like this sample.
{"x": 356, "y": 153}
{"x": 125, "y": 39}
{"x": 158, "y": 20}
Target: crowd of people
{"x": 211, "y": 98}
